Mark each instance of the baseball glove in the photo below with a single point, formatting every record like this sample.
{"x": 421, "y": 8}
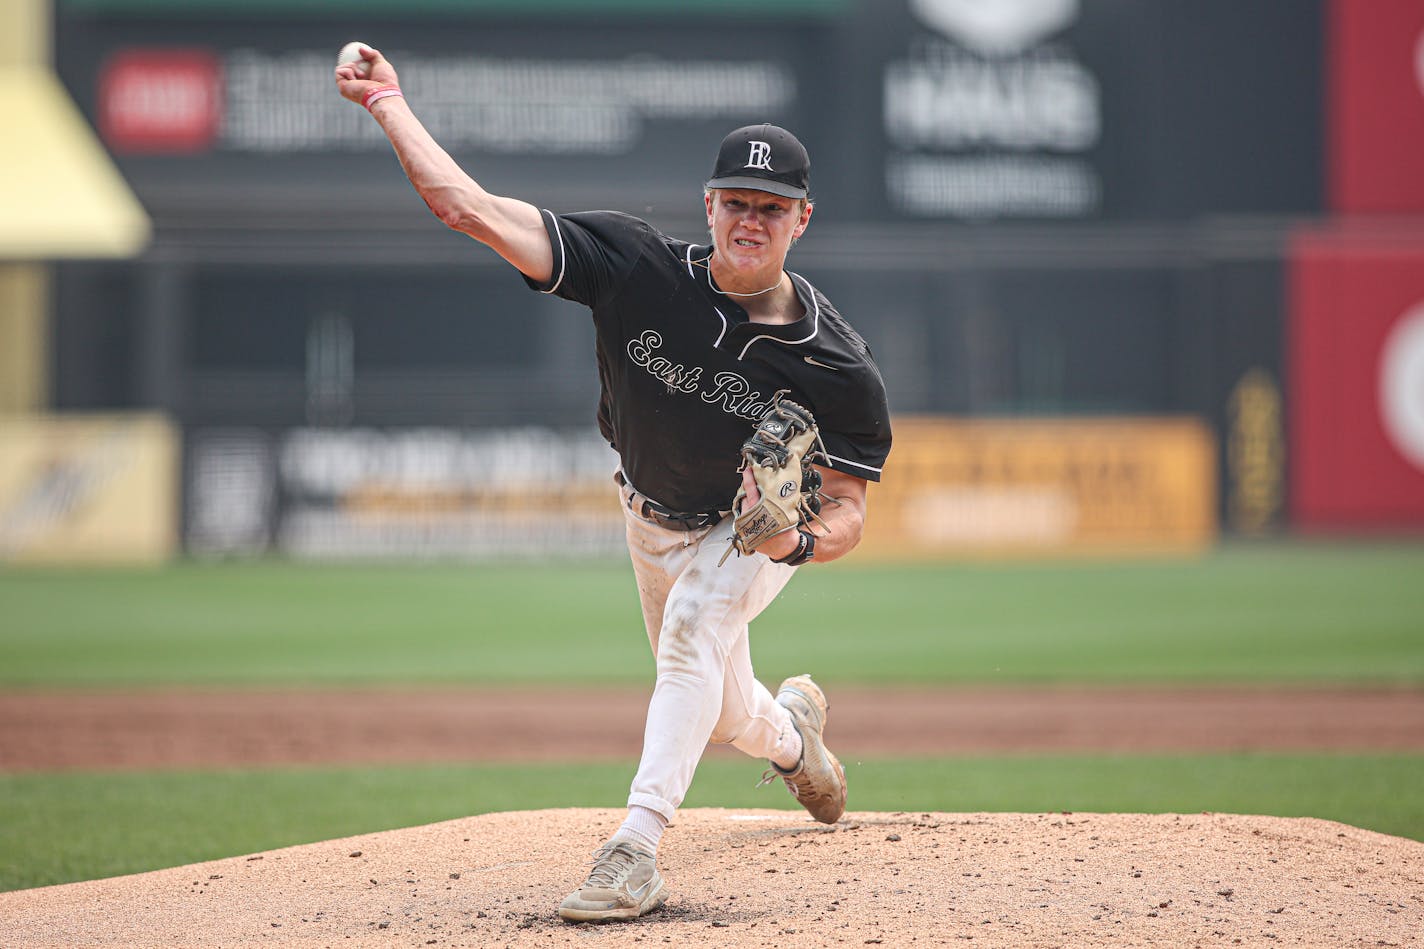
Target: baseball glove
{"x": 780, "y": 451}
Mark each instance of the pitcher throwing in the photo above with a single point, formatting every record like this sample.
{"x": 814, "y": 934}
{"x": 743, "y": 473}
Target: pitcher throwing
{"x": 697, "y": 347}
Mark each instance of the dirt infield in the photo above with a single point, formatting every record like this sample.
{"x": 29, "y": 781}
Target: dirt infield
{"x": 70, "y": 730}
{"x": 740, "y": 878}
{"x": 768, "y": 878}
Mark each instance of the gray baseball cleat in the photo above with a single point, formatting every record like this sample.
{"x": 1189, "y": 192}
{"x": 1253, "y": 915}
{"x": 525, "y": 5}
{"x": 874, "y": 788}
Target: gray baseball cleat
{"x": 624, "y": 884}
{"x": 818, "y": 782}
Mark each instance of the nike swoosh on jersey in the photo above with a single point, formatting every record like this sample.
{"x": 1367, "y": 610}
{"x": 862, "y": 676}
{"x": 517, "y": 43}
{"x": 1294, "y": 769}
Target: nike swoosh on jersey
{"x": 816, "y": 362}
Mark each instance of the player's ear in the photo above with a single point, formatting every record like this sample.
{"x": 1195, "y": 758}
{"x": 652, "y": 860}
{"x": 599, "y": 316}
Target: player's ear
{"x": 806, "y": 209}
{"x": 707, "y": 194}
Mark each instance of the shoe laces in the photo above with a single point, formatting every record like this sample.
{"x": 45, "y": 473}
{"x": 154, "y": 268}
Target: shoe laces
{"x": 612, "y": 863}
{"x": 770, "y": 775}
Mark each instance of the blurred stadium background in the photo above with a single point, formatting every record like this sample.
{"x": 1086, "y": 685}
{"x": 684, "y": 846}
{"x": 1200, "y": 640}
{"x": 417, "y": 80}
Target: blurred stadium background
{"x": 1136, "y": 272}
{"x": 1047, "y": 216}
{"x": 1142, "y": 277}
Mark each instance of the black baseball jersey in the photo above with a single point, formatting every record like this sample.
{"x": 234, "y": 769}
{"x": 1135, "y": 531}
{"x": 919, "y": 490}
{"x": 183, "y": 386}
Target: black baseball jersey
{"x": 686, "y": 375}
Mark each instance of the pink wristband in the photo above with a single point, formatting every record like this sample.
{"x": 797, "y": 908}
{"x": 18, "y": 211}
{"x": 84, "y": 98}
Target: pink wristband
{"x": 379, "y": 93}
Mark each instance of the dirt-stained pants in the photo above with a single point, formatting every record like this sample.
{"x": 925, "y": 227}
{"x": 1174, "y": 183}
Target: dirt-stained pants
{"x": 697, "y": 615}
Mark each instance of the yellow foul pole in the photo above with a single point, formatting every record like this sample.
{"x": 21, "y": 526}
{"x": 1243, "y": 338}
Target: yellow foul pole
{"x": 62, "y": 195}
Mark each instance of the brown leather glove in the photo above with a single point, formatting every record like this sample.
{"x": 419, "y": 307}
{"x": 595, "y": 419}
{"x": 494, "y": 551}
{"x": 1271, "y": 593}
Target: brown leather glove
{"x": 779, "y": 453}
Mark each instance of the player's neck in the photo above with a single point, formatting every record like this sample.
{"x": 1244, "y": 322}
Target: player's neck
{"x": 744, "y": 287}
{"x": 747, "y": 294}
{"x": 780, "y": 305}
{"x": 766, "y": 296}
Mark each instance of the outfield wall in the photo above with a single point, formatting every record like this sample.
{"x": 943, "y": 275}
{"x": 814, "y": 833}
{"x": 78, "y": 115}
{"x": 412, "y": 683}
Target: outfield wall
{"x": 1021, "y": 487}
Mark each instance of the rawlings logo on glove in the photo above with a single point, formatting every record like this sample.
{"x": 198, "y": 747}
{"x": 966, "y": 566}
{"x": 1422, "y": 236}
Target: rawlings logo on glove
{"x": 779, "y": 453}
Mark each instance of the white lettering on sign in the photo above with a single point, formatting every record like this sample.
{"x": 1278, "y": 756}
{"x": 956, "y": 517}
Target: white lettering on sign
{"x": 350, "y": 493}
{"x": 960, "y": 102}
{"x": 1401, "y": 385}
{"x": 968, "y": 187}
{"x": 993, "y": 115}
{"x": 495, "y": 104}
{"x": 322, "y": 462}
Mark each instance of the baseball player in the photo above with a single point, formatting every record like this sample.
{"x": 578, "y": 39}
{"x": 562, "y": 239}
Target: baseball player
{"x": 694, "y": 343}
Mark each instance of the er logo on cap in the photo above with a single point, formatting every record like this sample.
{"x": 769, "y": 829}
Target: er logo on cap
{"x": 760, "y": 156}
{"x": 744, "y": 160}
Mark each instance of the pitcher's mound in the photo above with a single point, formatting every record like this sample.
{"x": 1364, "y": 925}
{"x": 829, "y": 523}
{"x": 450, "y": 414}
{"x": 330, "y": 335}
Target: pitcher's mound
{"x": 774, "y": 878}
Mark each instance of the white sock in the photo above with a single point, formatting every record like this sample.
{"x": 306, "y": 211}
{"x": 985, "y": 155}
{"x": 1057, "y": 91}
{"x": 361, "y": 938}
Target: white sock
{"x": 787, "y": 753}
{"x": 644, "y": 827}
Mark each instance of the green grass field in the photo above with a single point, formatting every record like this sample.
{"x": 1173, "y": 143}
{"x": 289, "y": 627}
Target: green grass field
{"x": 1307, "y": 613}
{"x": 78, "y": 826}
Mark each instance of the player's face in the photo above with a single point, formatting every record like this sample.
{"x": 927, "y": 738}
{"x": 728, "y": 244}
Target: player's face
{"x": 753, "y": 230}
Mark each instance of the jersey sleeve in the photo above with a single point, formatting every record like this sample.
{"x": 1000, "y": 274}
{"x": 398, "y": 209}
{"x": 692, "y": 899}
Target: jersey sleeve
{"x": 593, "y": 252}
{"x": 855, "y": 428}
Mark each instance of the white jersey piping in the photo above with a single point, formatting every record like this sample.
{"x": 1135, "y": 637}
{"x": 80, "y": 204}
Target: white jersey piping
{"x": 853, "y": 464}
{"x": 815, "y": 322}
{"x": 563, "y": 255}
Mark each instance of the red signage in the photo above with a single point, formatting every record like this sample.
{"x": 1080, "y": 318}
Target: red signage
{"x": 155, "y": 101}
{"x": 1375, "y": 114}
{"x": 1356, "y": 370}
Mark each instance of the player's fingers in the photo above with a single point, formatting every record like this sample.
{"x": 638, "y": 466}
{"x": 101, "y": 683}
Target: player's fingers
{"x": 749, "y": 488}
{"x": 376, "y": 64}
{"x": 351, "y": 86}
{"x": 364, "y": 68}
{"x": 376, "y": 67}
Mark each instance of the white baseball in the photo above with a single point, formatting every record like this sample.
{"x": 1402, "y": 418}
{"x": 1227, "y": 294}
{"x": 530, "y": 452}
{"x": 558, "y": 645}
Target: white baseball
{"x": 351, "y": 55}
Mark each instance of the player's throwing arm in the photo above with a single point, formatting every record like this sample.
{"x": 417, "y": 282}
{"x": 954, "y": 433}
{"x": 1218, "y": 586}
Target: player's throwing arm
{"x": 512, "y": 228}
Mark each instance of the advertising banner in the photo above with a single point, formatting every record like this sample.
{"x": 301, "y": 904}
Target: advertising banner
{"x": 157, "y": 100}
{"x": 992, "y": 112}
{"x": 1070, "y": 110}
{"x": 1039, "y": 486}
{"x": 1242, "y": 319}
{"x": 232, "y": 110}
{"x": 1255, "y": 468}
{"x": 952, "y": 488}
{"x": 1357, "y": 381}
{"x": 358, "y": 493}
{"x": 88, "y": 489}
{"x": 161, "y": 101}
{"x": 1056, "y": 110}
{"x": 1376, "y": 105}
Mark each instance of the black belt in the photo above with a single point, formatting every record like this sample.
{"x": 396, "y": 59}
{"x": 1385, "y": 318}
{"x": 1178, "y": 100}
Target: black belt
{"x": 650, "y": 510}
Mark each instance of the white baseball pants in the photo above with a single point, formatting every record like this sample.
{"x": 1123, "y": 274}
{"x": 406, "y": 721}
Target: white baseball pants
{"x": 697, "y": 614}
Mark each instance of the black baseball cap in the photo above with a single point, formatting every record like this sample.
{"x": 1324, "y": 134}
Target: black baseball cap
{"x": 763, "y": 158}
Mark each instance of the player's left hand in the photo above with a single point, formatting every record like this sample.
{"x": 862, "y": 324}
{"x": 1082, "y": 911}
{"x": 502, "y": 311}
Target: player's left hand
{"x": 782, "y": 545}
{"x": 352, "y": 85}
